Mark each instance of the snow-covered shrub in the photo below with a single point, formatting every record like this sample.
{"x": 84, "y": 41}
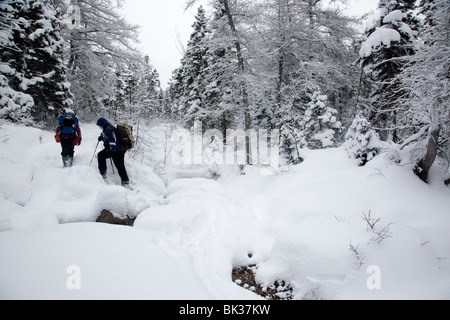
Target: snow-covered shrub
{"x": 320, "y": 123}
{"x": 362, "y": 142}
{"x": 291, "y": 141}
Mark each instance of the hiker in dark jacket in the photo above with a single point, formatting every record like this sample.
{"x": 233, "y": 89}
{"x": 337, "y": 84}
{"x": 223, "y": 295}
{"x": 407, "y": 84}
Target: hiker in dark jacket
{"x": 112, "y": 150}
{"x": 68, "y": 133}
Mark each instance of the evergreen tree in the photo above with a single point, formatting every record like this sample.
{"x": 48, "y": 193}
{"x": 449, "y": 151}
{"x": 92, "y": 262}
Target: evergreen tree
{"x": 119, "y": 101}
{"x": 150, "y": 93}
{"x": 188, "y": 78}
{"x": 320, "y": 123}
{"x": 137, "y": 92}
{"x": 426, "y": 85}
{"x": 292, "y": 140}
{"x": 131, "y": 82}
{"x": 361, "y": 141}
{"x": 14, "y": 105}
{"x": 383, "y": 55}
{"x": 221, "y": 96}
{"x": 204, "y": 86}
{"x": 33, "y": 65}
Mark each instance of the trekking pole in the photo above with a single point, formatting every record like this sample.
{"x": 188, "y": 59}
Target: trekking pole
{"x": 112, "y": 165}
{"x": 94, "y": 154}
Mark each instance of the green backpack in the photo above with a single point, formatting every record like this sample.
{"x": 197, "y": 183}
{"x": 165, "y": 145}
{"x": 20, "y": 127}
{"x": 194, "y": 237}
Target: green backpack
{"x": 126, "y": 139}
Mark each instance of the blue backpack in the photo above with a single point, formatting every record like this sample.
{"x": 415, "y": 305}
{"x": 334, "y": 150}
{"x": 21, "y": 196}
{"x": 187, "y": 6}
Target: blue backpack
{"x": 68, "y": 123}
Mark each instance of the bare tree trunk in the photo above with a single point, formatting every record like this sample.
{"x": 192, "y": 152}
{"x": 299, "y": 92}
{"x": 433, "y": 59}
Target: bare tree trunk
{"x": 280, "y": 78}
{"x": 310, "y": 11}
{"x": 423, "y": 166}
{"x": 281, "y": 59}
{"x": 241, "y": 65}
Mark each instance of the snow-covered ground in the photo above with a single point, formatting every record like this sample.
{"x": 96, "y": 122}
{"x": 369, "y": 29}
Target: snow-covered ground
{"x": 298, "y": 226}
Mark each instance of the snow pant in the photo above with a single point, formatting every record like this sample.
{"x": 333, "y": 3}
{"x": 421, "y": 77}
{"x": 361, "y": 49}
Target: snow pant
{"x": 118, "y": 158}
{"x": 67, "y": 150}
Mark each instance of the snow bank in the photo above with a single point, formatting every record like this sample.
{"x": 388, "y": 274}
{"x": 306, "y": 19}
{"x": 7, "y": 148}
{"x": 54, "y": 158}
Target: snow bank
{"x": 304, "y": 226}
{"x": 314, "y": 214}
{"x": 112, "y": 262}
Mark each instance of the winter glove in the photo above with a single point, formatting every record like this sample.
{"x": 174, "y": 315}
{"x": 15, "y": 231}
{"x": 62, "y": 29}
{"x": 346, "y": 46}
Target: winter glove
{"x": 100, "y": 138}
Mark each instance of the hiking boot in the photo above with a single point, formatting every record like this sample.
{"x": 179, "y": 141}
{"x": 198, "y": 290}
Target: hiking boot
{"x": 126, "y": 184}
{"x": 67, "y": 162}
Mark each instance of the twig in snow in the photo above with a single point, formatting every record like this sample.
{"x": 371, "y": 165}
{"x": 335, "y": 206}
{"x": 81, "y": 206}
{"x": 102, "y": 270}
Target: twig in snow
{"x": 380, "y": 235}
{"x": 359, "y": 259}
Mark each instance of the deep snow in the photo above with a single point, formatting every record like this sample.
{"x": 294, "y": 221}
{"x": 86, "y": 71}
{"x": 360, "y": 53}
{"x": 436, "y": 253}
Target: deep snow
{"x": 191, "y": 230}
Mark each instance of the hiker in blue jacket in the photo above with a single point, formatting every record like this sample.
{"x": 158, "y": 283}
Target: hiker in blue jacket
{"x": 112, "y": 150}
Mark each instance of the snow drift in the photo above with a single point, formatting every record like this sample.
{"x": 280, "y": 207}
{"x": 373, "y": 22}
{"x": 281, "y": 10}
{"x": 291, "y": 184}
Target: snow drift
{"x": 309, "y": 226}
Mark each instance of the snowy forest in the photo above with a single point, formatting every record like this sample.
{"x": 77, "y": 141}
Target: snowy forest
{"x": 296, "y": 66}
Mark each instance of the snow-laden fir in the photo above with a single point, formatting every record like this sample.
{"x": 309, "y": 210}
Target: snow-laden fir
{"x": 309, "y": 225}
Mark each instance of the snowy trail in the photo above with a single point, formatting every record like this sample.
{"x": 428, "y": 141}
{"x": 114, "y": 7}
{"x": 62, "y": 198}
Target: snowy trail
{"x": 191, "y": 215}
{"x": 47, "y": 194}
{"x": 191, "y": 231}
{"x": 216, "y": 229}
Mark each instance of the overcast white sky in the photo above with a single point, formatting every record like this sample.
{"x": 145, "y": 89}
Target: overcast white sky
{"x": 163, "y": 22}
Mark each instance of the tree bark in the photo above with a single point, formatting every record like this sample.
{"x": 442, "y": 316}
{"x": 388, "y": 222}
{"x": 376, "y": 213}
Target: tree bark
{"x": 283, "y": 12}
{"x": 241, "y": 65}
{"x": 423, "y": 166}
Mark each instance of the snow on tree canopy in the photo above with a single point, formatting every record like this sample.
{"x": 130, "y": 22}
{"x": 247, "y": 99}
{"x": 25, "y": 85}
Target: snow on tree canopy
{"x": 395, "y": 18}
{"x": 32, "y": 71}
{"x": 381, "y": 36}
{"x": 320, "y": 123}
{"x": 396, "y": 15}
